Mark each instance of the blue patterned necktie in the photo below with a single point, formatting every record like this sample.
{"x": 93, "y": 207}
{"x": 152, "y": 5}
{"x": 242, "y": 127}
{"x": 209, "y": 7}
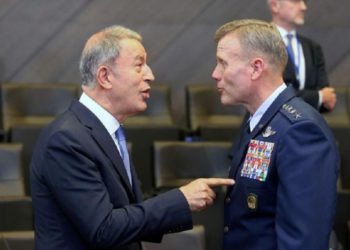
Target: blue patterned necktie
{"x": 124, "y": 150}
{"x": 289, "y": 45}
{"x": 292, "y": 58}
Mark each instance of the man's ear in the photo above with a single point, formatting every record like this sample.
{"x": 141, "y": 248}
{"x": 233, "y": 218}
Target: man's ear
{"x": 257, "y": 67}
{"x": 103, "y": 77}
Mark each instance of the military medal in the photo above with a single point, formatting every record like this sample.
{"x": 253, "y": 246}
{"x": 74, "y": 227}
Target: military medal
{"x": 252, "y": 201}
{"x": 257, "y": 160}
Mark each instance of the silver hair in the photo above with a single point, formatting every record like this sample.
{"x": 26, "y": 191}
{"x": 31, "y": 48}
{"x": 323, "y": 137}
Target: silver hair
{"x": 103, "y": 48}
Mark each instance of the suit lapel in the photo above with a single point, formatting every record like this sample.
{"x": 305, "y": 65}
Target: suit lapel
{"x": 106, "y": 143}
{"x": 239, "y": 149}
{"x": 307, "y": 57}
{"x": 136, "y": 185}
{"x": 104, "y": 140}
{"x": 289, "y": 73}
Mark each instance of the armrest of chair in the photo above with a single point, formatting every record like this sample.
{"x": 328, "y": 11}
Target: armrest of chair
{"x": 17, "y": 240}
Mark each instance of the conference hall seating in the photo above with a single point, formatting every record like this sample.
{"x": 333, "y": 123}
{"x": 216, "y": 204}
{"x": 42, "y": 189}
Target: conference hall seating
{"x": 207, "y": 117}
{"x": 339, "y": 121}
{"x": 177, "y": 163}
{"x": 27, "y": 107}
{"x": 17, "y": 240}
{"x": 15, "y": 206}
{"x": 162, "y": 158}
{"x": 154, "y": 124}
{"x": 193, "y": 239}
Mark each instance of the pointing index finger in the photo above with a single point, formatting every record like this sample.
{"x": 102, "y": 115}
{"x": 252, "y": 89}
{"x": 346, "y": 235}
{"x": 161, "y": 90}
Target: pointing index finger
{"x": 216, "y": 182}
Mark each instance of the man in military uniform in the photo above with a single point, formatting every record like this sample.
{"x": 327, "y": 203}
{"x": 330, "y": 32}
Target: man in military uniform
{"x": 285, "y": 162}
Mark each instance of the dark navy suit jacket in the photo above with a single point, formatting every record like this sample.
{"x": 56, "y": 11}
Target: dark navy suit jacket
{"x": 315, "y": 72}
{"x": 81, "y": 194}
{"x": 290, "y": 203}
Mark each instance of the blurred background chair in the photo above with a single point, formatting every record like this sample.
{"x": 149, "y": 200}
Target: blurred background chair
{"x": 26, "y": 135}
{"x": 154, "y": 124}
{"x": 207, "y": 117}
{"x": 177, "y": 163}
{"x": 11, "y": 170}
{"x": 339, "y": 121}
{"x": 15, "y": 207}
{"x": 158, "y": 110}
{"x": 17, "y": 240}
{"x": 16, "y": 213}
{"x": 342, "y": 217}
{"x": 26, "y": 108}
{"x": 29, "y": 103}
{"x": 342, "y": 136}
{"x": 191, "y": 239}
{"x": 340, "y": 116}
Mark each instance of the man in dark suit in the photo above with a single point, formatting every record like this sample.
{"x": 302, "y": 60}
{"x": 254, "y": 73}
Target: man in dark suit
{"x": 285, "y": 163}
{"x": 85, "y": 190}
{"x": 305, "y": 69}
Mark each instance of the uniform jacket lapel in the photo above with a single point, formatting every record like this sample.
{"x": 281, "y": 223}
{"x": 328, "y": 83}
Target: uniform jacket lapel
{"x": 239, "y": 150}
{"x": 104, "y": 140}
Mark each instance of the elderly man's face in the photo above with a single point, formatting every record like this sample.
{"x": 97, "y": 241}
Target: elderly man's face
{"x": 131, "y": 78}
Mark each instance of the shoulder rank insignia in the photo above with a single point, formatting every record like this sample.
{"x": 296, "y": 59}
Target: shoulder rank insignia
{"x": 268, "y": 132}
{"x": 291, "y": 110}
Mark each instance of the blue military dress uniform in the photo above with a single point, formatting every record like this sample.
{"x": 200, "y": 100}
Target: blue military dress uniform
{"x": 285, "y": 171}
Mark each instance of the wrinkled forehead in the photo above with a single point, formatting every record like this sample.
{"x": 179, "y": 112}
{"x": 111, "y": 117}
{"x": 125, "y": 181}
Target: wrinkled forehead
{"x": 132, "y": 45}
{"x": 132, "y": 49}
{"x": 229, "y": 44}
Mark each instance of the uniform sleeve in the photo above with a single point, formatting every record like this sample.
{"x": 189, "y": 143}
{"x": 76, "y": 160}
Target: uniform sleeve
{"x": 79, "y": 189}
{"x": 307, "y": 171}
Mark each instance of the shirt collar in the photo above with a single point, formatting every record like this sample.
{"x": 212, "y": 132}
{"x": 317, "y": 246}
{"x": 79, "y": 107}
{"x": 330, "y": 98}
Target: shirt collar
{"x": 284, "y": 33}
{"x": 108, "y": 121}
{"x": 256, "y": 117}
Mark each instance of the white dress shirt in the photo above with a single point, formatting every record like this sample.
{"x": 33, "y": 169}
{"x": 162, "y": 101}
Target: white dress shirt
{"x": 256, "y": 117}
{"x": 108, "y": 121}
{"x": 299, "y": 58}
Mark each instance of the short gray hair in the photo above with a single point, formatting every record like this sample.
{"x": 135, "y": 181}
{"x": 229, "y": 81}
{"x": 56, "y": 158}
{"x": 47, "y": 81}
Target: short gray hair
{"x": 257, "y": 37}
{"x": 102, "y": 48}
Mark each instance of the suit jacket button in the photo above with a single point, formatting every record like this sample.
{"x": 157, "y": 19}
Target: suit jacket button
{"x": 226, "y": 229}
{"x": 227, "y": 200}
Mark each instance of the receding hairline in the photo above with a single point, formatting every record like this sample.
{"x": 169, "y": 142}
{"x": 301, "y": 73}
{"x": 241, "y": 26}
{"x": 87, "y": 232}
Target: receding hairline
{"x": 238, "y": 25}
{"x": 256, "y": 37}
{"x": 113, "y": 32}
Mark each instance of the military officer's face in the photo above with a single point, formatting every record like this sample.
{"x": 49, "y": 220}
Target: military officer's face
{"x": 232, "y": 72}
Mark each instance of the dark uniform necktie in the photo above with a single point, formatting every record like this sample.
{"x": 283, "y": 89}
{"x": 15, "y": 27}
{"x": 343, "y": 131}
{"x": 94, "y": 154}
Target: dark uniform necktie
{"x": 124, "y": 150}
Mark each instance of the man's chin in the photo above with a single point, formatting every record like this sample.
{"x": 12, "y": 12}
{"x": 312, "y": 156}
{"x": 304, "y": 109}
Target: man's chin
{"x": 142, "y": 107}
{"x": 299, "y": 22}
{"x": 225, "y": 102}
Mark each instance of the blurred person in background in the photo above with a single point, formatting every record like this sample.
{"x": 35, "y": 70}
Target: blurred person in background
{"x": 305, "y": 69}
